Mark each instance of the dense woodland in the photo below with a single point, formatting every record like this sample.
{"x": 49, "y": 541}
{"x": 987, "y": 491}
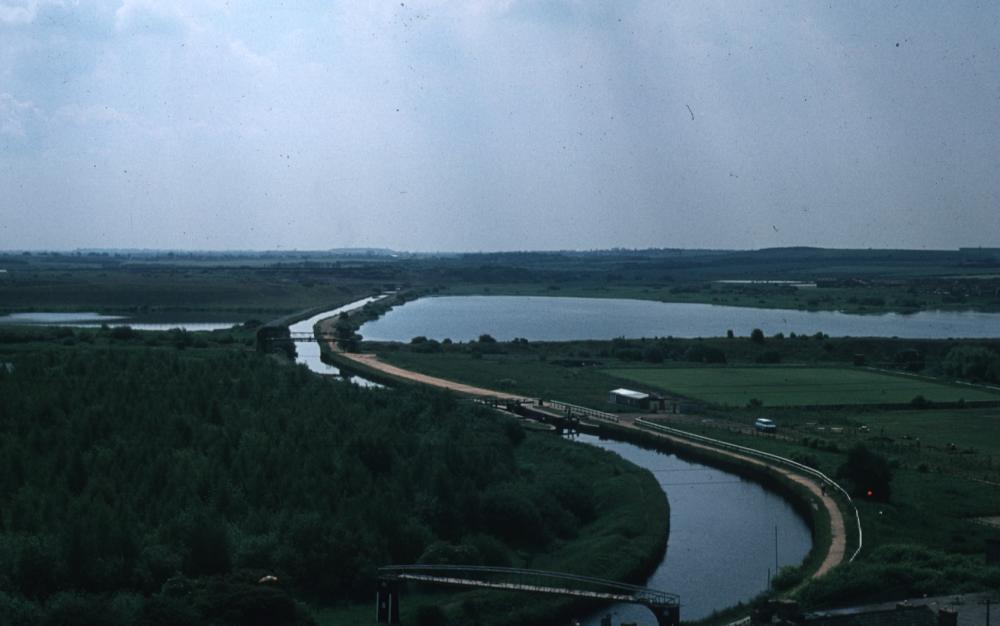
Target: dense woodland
{"x": 156, "y": 486}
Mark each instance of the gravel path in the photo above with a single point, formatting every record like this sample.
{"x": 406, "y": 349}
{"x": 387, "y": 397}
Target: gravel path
{"x": 838, "y": 530}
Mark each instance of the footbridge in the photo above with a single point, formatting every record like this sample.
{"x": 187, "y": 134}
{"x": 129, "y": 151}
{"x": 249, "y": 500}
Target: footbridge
{"x": 310, "y": 337}
{"x": 665, "y": 606}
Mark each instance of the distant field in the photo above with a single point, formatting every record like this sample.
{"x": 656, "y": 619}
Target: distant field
{"x": 791, "y": 386}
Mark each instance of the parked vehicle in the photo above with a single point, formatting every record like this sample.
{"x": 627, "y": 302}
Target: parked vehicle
{"x": 765, "y": 425}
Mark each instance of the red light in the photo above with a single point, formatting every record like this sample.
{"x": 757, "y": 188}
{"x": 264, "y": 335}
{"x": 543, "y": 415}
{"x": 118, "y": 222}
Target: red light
{"x": 870, "y": 493}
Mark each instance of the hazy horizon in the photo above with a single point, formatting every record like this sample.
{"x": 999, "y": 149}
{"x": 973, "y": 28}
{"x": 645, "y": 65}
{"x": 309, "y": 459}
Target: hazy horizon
{"x": 514, "y": 125}
{"x": 375, "y": 250}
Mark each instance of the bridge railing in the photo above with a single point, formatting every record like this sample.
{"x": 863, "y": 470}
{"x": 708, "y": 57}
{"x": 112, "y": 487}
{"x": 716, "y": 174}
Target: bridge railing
{"x": 582, "y": 410}
{"x": 312, "y": 336}
{"x": 767, "y": 456}
{"x": 507, "y": 574}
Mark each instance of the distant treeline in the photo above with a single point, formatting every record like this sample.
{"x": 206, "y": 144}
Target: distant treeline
{"x": 244, "y": 285}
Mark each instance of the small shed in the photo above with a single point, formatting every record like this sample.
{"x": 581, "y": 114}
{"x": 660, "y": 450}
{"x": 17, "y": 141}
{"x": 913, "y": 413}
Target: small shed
{"x": 629, "y": 397}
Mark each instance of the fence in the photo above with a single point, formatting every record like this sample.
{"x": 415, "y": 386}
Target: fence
{"x": 805, "y": 469}
{"x": 582, "y": 410}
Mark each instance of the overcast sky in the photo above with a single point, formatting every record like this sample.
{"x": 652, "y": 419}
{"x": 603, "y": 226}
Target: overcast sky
{"x": 504, "y": 124}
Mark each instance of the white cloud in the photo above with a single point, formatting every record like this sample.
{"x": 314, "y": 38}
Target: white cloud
{"x": 249, "y": 57}
{"x": 21, "y": 13}
{"x": 25, "y": 11}
{"x": 14, "y": 115}
{"x": 151, "y": 15}
{"x": 94, "y": 114}
{"x": 168, "y": 15}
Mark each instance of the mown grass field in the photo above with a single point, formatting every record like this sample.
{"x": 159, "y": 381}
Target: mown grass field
{"x": 513, "y": 373}
{"x": 797, "y": 386}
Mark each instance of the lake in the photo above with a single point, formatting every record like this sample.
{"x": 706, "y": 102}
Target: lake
{"x": 542, "y": 318}
{"x": 91, "y": 320}
{"x": 722, "y": 535}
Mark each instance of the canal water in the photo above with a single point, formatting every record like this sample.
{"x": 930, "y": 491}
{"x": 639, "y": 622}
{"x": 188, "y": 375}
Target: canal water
{"x": 726, "y": 533}
{"x": 538, "y": 318}
{"x": 308, "y": 352}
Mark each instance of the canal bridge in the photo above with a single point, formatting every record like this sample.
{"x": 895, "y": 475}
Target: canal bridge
{"x": 310, "y": 337}
{"x": 665, "y": 606}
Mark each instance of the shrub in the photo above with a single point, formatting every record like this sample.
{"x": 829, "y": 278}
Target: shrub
{"x": 123, "y": 333}
{"x": 653, "y": 354}
{"x": 972, "y": 362}
{"x": 787, "y": 577}
{"x": 769, "y": 356}
{"x": 911, "y": 360}
{"x": 429, "y": 615}
{"x": 704, "y": 354}
{"x": 868, "y": 473}
{"x": 920, "y": 402}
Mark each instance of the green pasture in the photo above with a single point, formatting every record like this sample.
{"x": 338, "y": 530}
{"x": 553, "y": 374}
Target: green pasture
{"x": 797, "y": 386}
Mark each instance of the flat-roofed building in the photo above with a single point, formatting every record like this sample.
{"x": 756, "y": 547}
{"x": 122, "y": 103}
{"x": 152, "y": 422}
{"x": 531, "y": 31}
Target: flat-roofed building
{"x": 629, "y": 397}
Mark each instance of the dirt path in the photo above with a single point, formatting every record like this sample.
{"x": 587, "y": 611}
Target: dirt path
{"x": 838, "y": 531}
{"x": 836, "y": 554}
{"x": 372, "y": 361}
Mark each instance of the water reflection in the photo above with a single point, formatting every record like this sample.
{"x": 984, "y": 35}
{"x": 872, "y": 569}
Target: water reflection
{"x": 722, "y": 535}
{"x": 464, "y": 318}
{"x": 308, "y": 352}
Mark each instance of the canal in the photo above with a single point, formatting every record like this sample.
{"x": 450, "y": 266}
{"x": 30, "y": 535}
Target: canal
{"x": 727, "y": 535}
{"x": 308, "y": 352}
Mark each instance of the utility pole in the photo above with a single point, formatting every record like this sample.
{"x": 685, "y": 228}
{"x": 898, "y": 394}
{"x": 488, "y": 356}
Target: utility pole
{"x": 775, "y": 549}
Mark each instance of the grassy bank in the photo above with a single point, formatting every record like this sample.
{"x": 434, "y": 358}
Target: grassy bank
{"x": 798, "y": 386}
{"x": 801, "y": 499}
{"x": 586, "y": 370}
{"x": 870, "y": 299}
{"x": 945, "y": 463}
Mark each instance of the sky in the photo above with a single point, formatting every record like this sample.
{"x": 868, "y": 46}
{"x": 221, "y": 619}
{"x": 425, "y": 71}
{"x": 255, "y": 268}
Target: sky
{"x": 482, "y": 125}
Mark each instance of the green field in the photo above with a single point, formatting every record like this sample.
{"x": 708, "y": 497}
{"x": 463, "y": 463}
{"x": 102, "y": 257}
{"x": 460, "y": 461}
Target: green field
{"x": 797, "y": 386}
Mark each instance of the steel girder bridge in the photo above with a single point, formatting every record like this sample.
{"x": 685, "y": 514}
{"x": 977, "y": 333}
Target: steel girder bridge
{"x": 665, "y": 606}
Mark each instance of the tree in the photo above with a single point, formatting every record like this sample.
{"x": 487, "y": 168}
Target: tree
{"x": 910, "y": 359}
{"x": 345, "y": 333}
{"x": 973, "y": 363}
{"x": 757, "y": 335}
{"x": 769, "y": 356}
{"x": 653, "y": 354}
{"x": 868, "y": 474}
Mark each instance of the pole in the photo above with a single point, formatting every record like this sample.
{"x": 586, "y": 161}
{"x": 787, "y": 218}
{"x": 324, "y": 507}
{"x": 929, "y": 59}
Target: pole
{"x": 775, "y": 549}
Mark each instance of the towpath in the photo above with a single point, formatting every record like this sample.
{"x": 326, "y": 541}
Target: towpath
{"x": 835, "y": 554}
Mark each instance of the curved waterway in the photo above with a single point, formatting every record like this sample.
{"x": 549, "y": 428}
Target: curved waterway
{"x": 308, "y": 352}
{"x": 542, "y": 318}
{"x": 726, "y": 533}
